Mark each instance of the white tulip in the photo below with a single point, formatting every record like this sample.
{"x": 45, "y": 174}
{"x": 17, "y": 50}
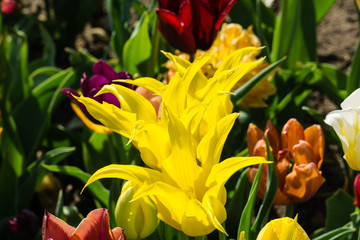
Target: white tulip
{"x": 347, "y": 126}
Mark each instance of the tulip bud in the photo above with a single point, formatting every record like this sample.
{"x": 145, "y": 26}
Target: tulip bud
{"x": 138, "y": 218}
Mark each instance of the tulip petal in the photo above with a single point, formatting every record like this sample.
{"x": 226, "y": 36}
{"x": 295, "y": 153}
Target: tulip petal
{"x": 102, "y": 68}
{"x": 154, "y": 145}
{"x": 132, "y": 101}
{"x": 93, "y": 126}
{"x": 96, "y": 225}
{"x": 211, "y": 145}
{"x": 170, "y": 201}
{"x": 175, "y": 31}
{"x": 303, "y": 182}
{"x": 181, "y": 166}
{"x": 254, "y": 134}
{"x": 315, "y": 137}
{"x": 136, "y": 174}
{"x": 303, "y": 153}
{"x": 155, "y": 86}
{"x": 54, "y": 228}
{"x": 273, "y": 137}
{"x": 352, "y": 101}
{"x": 291, "y": 134}
{"x": 222, "y": 171}
{"x": 198, "y": 220}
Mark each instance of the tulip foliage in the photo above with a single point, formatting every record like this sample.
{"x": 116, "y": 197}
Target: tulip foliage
{"x": 175, "y": 119}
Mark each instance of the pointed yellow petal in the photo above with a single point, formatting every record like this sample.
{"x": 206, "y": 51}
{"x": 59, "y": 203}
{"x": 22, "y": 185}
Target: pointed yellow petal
{"x": 232, "y": 60}
{"x": 289, "y": 231}
{"x": 210, "y": 147}
{"x": 181, "y": 64}
{"x": 154, "y": 145}
{"x": 131, "y": 101}
{"x": 170, "y": 201}
{"x": 111, "y": 116}
{"x": 151, "y": 84}
{"x": 181, "y": 166}
{"x": 138, "y": 175}
{"x": 93, "y": 126}
{"x": 222, "y": 171}
{"x": 198, "y": 220}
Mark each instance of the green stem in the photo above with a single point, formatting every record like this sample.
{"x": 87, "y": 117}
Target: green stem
{"x": 182, "y": 236}
{"x": 154, "y": 49}
{"x": 289, "y": 210}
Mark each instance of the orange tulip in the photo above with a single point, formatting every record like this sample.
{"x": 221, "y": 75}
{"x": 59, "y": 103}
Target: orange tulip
{"x": 298, "y": 158}
{"x": 96, "y": 225}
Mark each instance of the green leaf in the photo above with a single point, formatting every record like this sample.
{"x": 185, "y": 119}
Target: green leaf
{"x": 96, "y": 188}
{"x": 271, "y": 189}
{"x": 138, "y": 48}
{"x": 237, "y": 203}
{"x": 285, "y": 28}
{"x": 339, "y": 233}
{"x": 35, "y": 173}
{"x": 241, "y": 92}
{"x": 49, "y": 51}
{"x": 33, "y": 115}
{"x": 303, "y": 46}
{"x": 354, "y": 78}
{"x": 322, "y": 7}
{"x": 119, "y": 15}
{"x": 41, "y": 74}
{"x": 338, "y": 216}
{"x": 246, "y": 217}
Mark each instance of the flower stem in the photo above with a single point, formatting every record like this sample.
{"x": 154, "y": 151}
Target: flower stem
{"x": 289, "y": 211}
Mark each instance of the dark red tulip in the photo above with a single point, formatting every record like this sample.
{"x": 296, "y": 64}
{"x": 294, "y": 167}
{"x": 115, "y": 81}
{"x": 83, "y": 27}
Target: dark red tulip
{"x": 188, "y": 25}
{"x": 357, "y": 190}
{"x": 24, "y": 226}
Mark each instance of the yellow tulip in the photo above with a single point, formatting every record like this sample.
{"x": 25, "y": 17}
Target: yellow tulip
{"x": 283, "y": 229}
{"x": 189, "y": 196}
{"x": 137, "y": 218}
{"x": 346, "y": 125}
{"x": 182, "y": 147}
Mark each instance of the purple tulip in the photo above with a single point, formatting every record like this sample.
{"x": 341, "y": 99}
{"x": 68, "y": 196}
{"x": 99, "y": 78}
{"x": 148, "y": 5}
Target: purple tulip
{"x": 24, "y": 226}
{"x": 103, "y": 74}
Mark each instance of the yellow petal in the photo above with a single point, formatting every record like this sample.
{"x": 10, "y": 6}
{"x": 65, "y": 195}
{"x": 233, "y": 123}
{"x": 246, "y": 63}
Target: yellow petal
{"x": 222, "y": 171}
{"x": 210, "y": 147}
{"x": 131, "y": 101}
{"x": 197, "y": 220}
{"x": 170, "y": 201}
{"x": 111, "y": 116}
{"x": 93, "y": 126}
{"x": 232, "y": 60}
{"x": 181, "y": 166}
{"x": 154, "y": 145}
{"x": 151, "y": 84}
{"x": 138, "y": 175}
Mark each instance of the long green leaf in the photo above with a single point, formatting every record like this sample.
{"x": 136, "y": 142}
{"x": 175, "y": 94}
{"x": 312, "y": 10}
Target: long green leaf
{"x": 246, "y": 217}
{"x": 336, "y": 234}
{"x": 137, "y": 48}
{"x": 271, "y": 189}
{"x": 241, "y": 92}
{"x": 35, "y": 173}
{"x": 354, "y": 78}
{"x": 322, "y": 7}
{"x": 285, "y": 28}
{"x": 96, "y": 188}
{"x": 119, "y": 15}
